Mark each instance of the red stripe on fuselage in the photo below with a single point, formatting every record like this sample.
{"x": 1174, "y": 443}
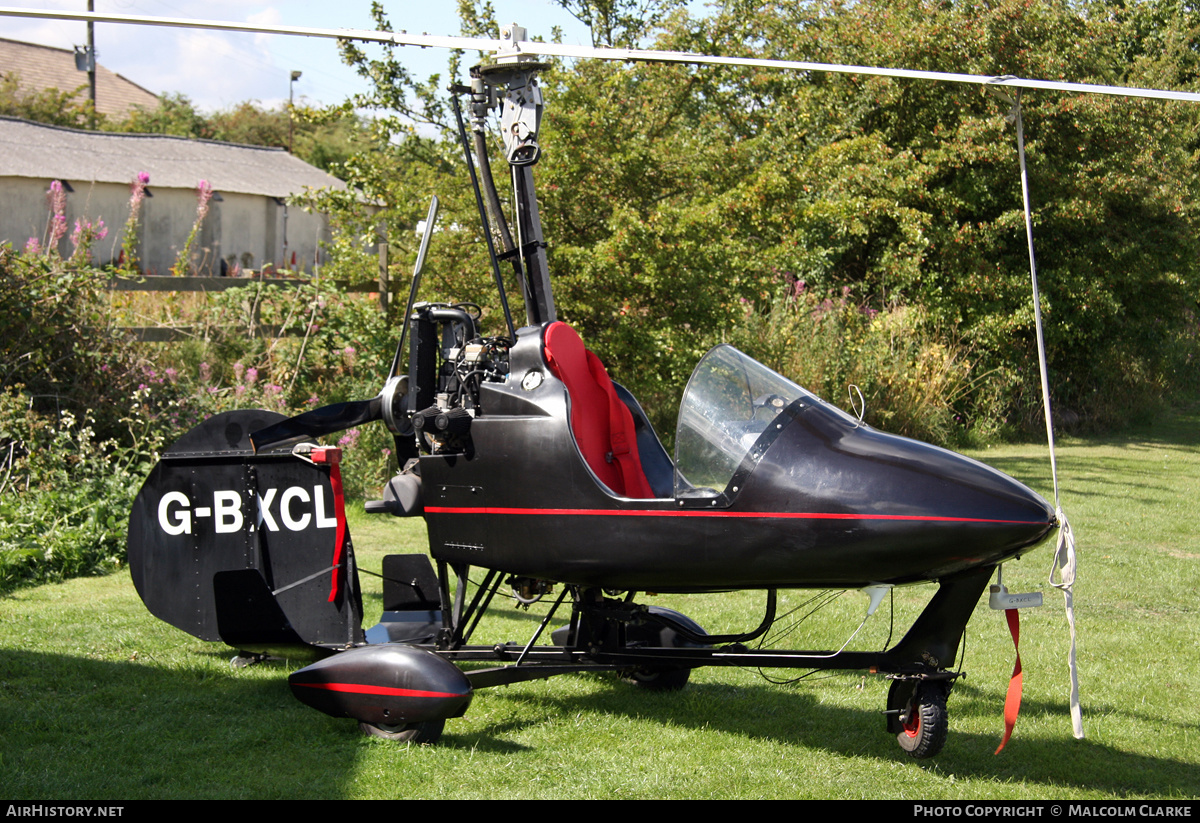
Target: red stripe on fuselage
{"x": 360, "y": 688}
{"x": 706, "y": 513}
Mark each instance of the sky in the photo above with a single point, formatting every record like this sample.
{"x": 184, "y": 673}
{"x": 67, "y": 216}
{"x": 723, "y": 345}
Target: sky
{"x": 218, "y": 70}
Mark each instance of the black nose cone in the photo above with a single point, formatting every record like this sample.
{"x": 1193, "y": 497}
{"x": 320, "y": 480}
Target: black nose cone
{"x": 885, "y": 508}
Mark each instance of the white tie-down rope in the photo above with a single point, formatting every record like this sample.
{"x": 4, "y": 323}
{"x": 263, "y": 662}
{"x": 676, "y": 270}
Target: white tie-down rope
{"x": 1062, "y": 570}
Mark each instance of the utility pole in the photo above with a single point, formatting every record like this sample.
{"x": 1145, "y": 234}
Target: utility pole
{"x": 85, "y": 60}
{"x": 291, "y": 116}
{"x": 91, "y": 47}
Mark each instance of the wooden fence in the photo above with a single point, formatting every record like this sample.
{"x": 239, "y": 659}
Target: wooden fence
{"x": 161, "y": 283}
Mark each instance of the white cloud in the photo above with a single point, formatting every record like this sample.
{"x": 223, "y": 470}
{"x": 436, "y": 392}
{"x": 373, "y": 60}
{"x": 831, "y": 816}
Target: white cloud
{"x": 220, "y": 69}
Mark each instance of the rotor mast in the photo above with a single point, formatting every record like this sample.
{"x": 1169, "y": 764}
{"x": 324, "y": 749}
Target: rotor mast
{"x": 514, "y": 74}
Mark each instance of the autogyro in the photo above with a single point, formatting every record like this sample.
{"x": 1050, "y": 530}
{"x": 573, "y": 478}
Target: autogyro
{"x": 529, "y": 464}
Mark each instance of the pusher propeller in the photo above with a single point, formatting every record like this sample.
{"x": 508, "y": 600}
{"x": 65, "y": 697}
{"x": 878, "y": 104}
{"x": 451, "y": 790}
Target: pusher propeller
{"x": 329, "y": 419}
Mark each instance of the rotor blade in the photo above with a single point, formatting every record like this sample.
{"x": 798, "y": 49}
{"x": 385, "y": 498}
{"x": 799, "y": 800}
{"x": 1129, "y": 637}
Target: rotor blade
{"x": 399, "y": 38}
{"x": 526, "y": 47}
{"x": 652, "y": 56}
{"x": 325, "y": 420}
{"x": 430, "y": 221}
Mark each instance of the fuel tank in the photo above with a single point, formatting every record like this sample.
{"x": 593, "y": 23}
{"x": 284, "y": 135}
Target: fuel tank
{"x": 392, "y": 684}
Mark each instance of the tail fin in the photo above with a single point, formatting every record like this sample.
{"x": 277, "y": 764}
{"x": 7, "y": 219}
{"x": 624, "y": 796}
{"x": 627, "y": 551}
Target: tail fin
{"x": 231, "y": 545}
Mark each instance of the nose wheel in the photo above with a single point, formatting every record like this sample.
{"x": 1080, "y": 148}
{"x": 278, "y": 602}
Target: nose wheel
{"x": 424, "y": 733}
{"x": 917, "y": 714}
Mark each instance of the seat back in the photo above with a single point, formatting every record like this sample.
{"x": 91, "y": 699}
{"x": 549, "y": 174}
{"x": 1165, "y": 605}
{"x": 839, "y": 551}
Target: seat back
{"x": 602, "y": 424}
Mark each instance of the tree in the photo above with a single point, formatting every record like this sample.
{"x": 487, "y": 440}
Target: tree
{"x": 174, "y": 115}
{"x": 326, "y": 139}
{"x": 621, "y": 23}
{"x": 51, "y": 106}
{"x": 1112, "y": 183}
{"x": 677, "y": 200}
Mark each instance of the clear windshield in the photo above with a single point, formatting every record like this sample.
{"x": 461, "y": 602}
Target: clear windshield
{"x": 729, "y": 401}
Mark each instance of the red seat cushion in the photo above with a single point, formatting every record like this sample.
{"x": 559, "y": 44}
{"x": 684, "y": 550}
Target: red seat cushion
{"x": 601, "y": 423}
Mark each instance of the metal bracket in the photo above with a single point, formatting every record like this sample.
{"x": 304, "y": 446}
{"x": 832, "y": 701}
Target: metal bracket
{"x": 1000, "y": 599}
{"x": 520, "y": 119}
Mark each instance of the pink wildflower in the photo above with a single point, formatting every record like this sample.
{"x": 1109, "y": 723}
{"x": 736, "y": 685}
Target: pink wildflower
{"x": 32, "y": 246}
{"x": 56, "y": 202}
{"x": 204, "y": 193}
{"x": 349, "y": 440}
{"x": 251, "y": 376}
{"x": 183, "y": 263}
{"x": 137, "y": 193}
{"x": 238, "y": 369}
{"x": 58, "y": 228}
{"x": 85, "y": 234}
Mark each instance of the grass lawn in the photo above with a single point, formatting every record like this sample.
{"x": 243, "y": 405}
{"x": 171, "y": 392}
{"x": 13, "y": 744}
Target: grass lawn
{"x": 99, "y": 700}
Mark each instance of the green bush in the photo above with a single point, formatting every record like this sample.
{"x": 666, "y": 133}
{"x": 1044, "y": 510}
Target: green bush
{"x": 57, "y": 341}
{"x": 84, "y": 414}
{"x": 914, "y": 381}
{"x": 343, "y": 351}
{"x": 65, "y": 494}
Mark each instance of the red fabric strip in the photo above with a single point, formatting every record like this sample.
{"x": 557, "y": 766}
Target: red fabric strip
{"x": 1012, "y": 702}
{"x": 339, "y": 509}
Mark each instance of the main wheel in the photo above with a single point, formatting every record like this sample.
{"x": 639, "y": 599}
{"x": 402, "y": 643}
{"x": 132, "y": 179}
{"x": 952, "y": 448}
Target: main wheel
{"x": 666, "y": 680}
{"x": 426, "y": 733}
{"x": 925, "y": 724}
{"x": 649, "y": 633}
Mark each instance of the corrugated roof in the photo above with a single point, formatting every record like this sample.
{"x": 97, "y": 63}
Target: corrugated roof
{"x": 44, "y": 67}
{"x": 49, "y": 152}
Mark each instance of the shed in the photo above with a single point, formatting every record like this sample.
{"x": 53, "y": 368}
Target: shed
{"x": 249, "y": 224}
